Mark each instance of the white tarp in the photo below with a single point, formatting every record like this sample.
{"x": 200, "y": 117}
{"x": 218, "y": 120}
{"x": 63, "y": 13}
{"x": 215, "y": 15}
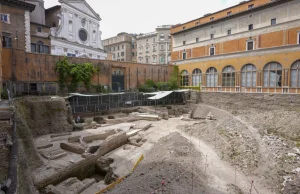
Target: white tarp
{"x": 160, "y": 95}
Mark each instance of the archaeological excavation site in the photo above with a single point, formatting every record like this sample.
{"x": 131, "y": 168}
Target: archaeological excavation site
{"x": 180, "y": 142}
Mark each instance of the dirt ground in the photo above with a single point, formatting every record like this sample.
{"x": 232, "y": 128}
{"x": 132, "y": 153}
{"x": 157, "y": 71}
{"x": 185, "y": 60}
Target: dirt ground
{"x": 171, "y": 167}
{"x": 4, "y": 151}
{"x": 237, "y": 151}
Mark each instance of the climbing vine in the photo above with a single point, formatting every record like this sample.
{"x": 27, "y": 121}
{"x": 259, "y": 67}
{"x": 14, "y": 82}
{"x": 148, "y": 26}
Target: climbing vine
{"x": 74, "y": 74}
{"x": 173, "y": 81}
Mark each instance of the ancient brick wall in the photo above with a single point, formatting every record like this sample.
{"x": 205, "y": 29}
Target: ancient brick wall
{"x": 30, "y": 67}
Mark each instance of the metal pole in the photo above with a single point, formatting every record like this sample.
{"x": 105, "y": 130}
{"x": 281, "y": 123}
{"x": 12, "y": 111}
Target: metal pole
{"x": 251, "y": 187}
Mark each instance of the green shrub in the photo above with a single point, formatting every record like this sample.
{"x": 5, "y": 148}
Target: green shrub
{"x": 150, "y": 83}
{"x": 4, "y": 95}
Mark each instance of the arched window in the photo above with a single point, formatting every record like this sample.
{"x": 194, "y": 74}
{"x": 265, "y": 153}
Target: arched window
{"x": 184, "y": 78}
{"x": 273, "y": 75}
{"x": 228, "y": 77}
{"x": 197, "y": 77}
{"x": 40, "y": 47}
{"x": 248, "y": 76}
{"x": 211, "y": 77}
{"x": 295, "y": 74}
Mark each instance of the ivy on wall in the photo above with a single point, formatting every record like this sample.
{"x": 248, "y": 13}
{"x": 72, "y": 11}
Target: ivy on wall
{"x": 72, "y": 75}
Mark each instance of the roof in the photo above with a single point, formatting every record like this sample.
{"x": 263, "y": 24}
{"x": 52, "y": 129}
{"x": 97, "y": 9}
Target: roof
{"x": 40, "y": 24}
{"x": 68, "y": 2}
{"x": 54, "y": 7}
{"x": 272, "y": 3}
{"x": 241, "y": 3}
{"x": 19, "y": 4}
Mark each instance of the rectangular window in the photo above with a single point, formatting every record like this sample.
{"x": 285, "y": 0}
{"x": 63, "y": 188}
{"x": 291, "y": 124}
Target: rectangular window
{"x": 183, "y": 43}
{"x": 298, "y": 37}
{"x": 250, "y": 45}
{"x": 183, "y": 27}
{"x": 147, "y": 60}
{"x": 183, "y": 56}
{"x": 212, "y": 36}
{"x": 133, "y": 54}
{"x": 133, "y": 46}
{"x": 122, "y": 46}
{"x": 197, "y": 23}
{"x": 250, "y": 27}
{"x": 228, "y": 32}
{"x": 212, "y": 18}
{"x": 212, "y": 51}
{"x": 122, "y": 54}
{"x": 273, "y": 21}
{"x": 197, "y": 39}
{"x": 71, "y": 55}
{"x": 153, "y": 39}
{"x": 39, "y": 29}
{"x": 33, "y": 47}
{"x": 250, "y": 6}
{"x": 229, "y": 13}
{"x": 6, "y": 40}
{"x": 47, "y": 50}
{"x": 118, "y": 48}
{"x": 162, "y": 47}
{"x": 5, "y": 18}
{"x": 40, "y": 48}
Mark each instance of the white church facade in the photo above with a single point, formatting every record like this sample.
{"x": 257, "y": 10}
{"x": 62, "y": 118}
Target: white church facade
{"x": 75, "y": 30}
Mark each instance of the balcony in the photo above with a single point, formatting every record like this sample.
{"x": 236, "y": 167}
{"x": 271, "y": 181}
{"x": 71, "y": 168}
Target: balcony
{"x": 154, "y": 50}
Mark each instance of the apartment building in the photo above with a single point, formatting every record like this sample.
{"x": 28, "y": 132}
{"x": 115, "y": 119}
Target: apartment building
{"x": 249, "y": 47}
{"x": 121, "y": 46}
{"x": 155, "y": 47}
{"x": 15, "y": 19}
{"x": 39, "y": 31}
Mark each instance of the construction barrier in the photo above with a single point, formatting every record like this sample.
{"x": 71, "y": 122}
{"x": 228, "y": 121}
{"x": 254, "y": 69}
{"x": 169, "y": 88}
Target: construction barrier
{"x": 112, "y": 185}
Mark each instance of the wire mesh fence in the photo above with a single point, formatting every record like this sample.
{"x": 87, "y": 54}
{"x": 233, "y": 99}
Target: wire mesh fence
{"x": 104, "y": 102}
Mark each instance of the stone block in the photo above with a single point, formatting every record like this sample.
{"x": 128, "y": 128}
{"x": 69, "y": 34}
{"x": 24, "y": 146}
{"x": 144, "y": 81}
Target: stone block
{"x": 101, "y": 136}
{"x": 113, "y": 142}
{"x": 72, "y": 148}
{"x": 73, "y": 139}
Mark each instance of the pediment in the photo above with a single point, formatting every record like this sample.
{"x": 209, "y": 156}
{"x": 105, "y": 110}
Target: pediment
{"x": 82, "y": 6}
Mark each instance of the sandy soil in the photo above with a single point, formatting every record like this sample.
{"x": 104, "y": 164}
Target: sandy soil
{"x": 221, "y": 175}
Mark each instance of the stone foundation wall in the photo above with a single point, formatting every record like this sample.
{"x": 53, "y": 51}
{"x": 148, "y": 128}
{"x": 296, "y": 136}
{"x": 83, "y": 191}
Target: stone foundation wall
{"x": 231, "y": 101}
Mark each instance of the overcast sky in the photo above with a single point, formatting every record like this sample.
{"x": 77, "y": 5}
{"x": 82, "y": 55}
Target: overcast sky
{"x": 142, "y": 16}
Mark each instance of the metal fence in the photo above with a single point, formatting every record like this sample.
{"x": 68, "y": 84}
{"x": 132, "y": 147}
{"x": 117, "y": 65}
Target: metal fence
{"x": 104, "y": 102}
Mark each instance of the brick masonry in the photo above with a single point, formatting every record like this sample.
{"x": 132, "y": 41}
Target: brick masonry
{"x": 35, "y": 68}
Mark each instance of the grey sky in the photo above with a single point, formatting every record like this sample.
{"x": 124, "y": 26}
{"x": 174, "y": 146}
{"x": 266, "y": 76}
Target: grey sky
{"x": 141, "y": 16}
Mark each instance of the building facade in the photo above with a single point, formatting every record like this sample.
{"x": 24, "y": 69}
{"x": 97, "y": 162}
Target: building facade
{"x": 75, "y": 30}
{"x": 1, "y": 74}
{"x": 155, "y": 47}
{"x": 39, "y": 31}
{"x": 15, "y": 19}
{"x": 250, "y": 47}
{"x": 121, "y": 47}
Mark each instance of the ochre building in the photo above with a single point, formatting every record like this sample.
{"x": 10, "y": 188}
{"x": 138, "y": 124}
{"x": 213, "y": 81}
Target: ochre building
{"x": 251, "y": 47}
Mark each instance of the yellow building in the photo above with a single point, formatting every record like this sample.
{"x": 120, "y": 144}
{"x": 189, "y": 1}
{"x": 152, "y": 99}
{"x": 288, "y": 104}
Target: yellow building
{"x": 251, "y": 47}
